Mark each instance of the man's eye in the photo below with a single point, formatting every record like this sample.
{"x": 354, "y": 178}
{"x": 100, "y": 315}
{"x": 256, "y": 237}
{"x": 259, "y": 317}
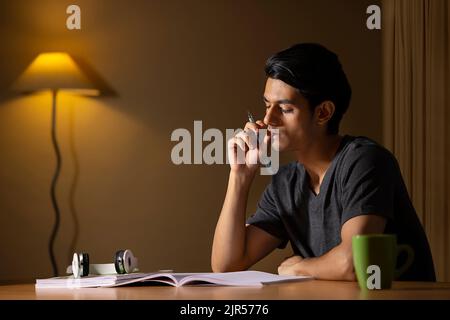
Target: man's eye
{"x": 283, "y": 110}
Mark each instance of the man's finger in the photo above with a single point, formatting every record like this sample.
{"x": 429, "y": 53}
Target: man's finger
{"x": 240, "y": 143}
{"x": 249, "y": 139}
{"x": 251, "y": 126}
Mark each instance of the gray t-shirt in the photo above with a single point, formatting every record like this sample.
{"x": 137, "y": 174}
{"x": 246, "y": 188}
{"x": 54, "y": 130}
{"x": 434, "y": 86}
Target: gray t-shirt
{"x": 363, "y": 178}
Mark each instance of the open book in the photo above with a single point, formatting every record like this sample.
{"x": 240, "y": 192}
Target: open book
{"x": 240, "y": 278}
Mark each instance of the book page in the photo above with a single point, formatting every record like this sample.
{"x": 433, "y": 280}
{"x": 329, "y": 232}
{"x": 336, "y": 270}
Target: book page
{"x": 165, "y": 278}
{"x": 241, "y": 278}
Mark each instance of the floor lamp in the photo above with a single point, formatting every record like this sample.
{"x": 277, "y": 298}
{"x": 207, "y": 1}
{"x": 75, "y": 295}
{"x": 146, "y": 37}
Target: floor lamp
{"x": 54, "y": 71}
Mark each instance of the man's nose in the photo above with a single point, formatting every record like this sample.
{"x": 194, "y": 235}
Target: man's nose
{"x": 272, "y": 117}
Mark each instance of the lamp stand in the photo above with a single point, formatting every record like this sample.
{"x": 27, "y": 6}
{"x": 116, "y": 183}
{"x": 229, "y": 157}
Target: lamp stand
{"x": 53, "y": 186}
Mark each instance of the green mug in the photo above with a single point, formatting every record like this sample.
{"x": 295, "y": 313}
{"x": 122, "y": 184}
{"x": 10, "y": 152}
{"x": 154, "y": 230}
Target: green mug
{"x": 375, "y": 259}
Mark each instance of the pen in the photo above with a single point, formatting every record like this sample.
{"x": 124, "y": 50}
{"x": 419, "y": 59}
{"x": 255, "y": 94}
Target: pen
{"x": 252, "y": 120}
{"x": 250, "y": 117}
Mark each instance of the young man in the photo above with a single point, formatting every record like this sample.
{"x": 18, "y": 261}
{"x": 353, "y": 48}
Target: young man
{"x": 340, "y": 186}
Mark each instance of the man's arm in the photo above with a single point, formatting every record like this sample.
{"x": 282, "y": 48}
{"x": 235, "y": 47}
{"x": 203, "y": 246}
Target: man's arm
{"x": 337, "y": 264}
{"x": 238, "y": 246}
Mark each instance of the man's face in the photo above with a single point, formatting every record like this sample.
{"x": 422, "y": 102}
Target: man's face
{"x": 288, "y": 111}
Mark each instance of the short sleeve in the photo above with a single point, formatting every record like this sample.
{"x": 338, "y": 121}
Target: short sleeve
{"x": 369, "y": 183}
{"x": 267, "y": 217}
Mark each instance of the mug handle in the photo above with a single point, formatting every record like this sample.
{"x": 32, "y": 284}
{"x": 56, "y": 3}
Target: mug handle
{"x": 409, "y": 260}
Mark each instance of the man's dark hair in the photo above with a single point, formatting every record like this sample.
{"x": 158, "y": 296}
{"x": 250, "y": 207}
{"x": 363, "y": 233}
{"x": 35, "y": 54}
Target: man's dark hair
{"x": 317, "y": 74}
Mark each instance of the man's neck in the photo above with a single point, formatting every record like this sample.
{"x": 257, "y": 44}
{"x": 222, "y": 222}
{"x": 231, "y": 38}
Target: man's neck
{"x": 318, "y": 158}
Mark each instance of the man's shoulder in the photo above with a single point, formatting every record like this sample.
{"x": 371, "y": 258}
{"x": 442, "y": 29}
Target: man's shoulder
{"x": 361, "y": 147}
{"x": 361, "y": 154}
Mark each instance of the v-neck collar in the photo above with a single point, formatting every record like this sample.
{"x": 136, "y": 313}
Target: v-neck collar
{"x": 307, "y": 186}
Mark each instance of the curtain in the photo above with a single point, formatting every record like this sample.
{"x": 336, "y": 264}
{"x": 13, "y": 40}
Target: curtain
{"x": 416, "y": 115}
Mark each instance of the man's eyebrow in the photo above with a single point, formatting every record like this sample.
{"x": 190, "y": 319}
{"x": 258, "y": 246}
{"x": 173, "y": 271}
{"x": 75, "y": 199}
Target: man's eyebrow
{"x": 282, "y": 101}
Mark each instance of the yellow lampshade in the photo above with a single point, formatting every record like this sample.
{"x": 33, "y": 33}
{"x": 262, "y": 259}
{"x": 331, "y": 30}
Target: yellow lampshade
{"x": 54, "y": 71}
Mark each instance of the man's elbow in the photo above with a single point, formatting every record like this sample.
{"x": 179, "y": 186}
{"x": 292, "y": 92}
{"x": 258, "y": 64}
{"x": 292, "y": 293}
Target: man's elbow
{"x": 216, "y": 267}
{"x": 220, "y": 269}
{"x": 226, "y": 267}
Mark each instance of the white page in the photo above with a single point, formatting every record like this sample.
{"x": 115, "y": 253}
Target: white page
{"x": 243, "y": 278}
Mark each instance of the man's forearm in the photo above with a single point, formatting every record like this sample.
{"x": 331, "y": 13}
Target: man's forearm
{"x": 228, "y": 249}
{"x": 337, "y": 264}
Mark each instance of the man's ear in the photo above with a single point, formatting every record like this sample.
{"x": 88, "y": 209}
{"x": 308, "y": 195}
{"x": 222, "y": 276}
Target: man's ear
{"x": 324, "y": 112}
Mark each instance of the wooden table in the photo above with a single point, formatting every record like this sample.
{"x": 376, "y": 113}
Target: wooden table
{"x": 308, "y": 290}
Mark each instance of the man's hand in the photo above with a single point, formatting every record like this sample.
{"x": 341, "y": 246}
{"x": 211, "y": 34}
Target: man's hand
{"x": 337, "y": 263}
{"x": 288, "y": 266}
{"x": 243, "y": 149}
